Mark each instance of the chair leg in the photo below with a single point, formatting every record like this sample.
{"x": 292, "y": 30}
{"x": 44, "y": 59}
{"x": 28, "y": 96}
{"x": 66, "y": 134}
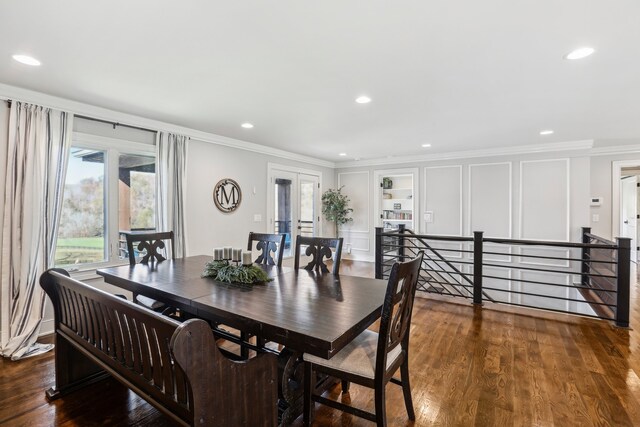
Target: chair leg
{"x": 406, "y": 390}
{"x": 244, "y": 351}
{"x": 345, "y": 386}
{"x": 308, "y": 391}
{"x": 381, "y": 410}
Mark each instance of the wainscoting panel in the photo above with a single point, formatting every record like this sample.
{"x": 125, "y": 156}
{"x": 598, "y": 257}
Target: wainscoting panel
{"x": 443, "y": 199}
{"x": 357, "y": 234}
{"x": 490, "y": 195}
{"x": 546, "y": 290}
{"x": 544, "y": 200}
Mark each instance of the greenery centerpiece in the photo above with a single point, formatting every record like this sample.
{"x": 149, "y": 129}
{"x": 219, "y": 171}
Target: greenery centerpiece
{"x": 335, "y": 207}
{"x": 224, "y": 271}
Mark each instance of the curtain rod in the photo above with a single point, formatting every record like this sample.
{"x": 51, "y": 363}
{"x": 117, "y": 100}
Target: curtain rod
{"x": 114, "y": 124}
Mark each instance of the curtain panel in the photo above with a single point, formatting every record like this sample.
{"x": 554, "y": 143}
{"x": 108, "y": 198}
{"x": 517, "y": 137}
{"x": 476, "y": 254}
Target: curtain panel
{"x": 36, "y": 157}
{"x": 171, "y": 161}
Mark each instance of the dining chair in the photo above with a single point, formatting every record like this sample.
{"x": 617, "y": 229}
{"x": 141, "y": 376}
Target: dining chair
{"x": 319, "y": 248}
{"x": 271, "y": 247}
{"x": 372, "y": 359}
{"x": 148, "y": 245}
{"x": 268, "y": 244}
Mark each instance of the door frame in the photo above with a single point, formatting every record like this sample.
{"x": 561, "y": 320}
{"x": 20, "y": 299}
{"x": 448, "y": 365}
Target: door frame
{"x": 616, "y": 188}
{"x": 271, "y": 168}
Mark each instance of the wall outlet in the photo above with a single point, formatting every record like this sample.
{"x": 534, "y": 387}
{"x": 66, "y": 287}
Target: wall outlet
{"x": 595, "y": 218}
{"x": 257, "y": 218}
{"x": 348, "y": 248}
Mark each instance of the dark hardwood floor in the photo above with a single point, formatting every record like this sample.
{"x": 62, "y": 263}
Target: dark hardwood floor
{"x": 489, "y": 366}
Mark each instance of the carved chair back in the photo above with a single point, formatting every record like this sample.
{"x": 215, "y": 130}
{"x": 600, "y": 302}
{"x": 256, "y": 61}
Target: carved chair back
{"x": 397, "y": 309}
{"x": 319, "y": 248}
{"x": 151, "y": 242}
{"x": 269, "y": 245}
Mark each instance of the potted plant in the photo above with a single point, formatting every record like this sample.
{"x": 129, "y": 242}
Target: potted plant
{"x": 335, "y": 207}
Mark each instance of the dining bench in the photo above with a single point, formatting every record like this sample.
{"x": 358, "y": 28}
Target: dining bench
{"x": 176, "y": 367}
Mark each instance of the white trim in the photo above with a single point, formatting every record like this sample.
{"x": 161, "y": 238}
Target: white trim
{"x": 469, "y": 193}
{"x": 567, "y": 236}
{"x": 20, "y": 94}
{"x": 46, "y": 327}
{"x": 103, "y": 142}
{"x": 488, "y": 152}
{"x": 616, "y": 174}
{"x": 424, "y": 202}
{"x": 618, "y": 149}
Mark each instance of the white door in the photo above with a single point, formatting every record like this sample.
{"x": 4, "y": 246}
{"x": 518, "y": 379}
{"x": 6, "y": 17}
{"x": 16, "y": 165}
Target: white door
{"x": 629, "y": 212}
{"x": 295, "y": 206}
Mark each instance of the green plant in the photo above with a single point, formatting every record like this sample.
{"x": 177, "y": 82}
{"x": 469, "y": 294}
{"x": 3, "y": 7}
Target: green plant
{"x": 229, "y": 273}
{"x": 335, "y": 207}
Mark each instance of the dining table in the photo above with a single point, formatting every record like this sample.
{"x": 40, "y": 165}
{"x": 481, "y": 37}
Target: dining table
{"x": 303, "y": 311}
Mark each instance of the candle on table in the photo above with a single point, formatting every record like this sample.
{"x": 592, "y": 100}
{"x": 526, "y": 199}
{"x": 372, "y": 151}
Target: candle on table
{"x": 237, "y": 254}
{"x": 227, "y": 253}
{"x": 246, "y": 258}
{"x": 217, "y": 254}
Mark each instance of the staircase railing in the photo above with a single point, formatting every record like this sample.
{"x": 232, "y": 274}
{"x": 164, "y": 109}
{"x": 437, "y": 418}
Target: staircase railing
{"x": 590, "y": 278}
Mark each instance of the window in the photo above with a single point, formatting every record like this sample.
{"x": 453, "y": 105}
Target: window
{"x": 109, "y": 188}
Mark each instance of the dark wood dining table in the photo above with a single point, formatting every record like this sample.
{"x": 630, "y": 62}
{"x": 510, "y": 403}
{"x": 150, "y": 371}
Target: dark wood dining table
{"x": 305, "y": 311}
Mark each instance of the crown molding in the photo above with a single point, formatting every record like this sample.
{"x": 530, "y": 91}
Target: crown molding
{"x": 489, "y": 152}
{"x": 75, "y": 107}
{"x": 618, "y": 149}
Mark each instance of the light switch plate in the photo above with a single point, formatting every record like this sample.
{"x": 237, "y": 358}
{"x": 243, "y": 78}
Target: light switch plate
{"x": 257, "y": 218}
{"x": 428, "y": 216}
{"x": 595, "y": 218}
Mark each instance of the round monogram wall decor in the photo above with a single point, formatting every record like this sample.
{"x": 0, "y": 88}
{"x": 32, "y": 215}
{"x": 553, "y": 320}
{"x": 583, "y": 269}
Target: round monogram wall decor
{"x": 227, "y": 195}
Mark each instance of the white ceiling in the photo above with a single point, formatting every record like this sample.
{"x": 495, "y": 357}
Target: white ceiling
{"x": 459, "y": 74}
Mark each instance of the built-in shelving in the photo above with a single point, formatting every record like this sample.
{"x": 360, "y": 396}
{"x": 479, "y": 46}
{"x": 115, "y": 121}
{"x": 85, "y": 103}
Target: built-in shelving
{"x": 396, "y": 201}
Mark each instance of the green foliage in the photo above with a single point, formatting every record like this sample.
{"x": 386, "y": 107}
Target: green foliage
{"x": 229, "y": 273}
{"x": 335, "y": 207}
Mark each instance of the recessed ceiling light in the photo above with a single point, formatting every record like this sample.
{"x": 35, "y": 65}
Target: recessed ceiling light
{"x": 27, "y": 60}
{"x": 546, "y": 132}
{"x": 426, "y": 145}
{"x": 247, "y": 125}
{"x": 342, "y": 154}
{"x": 580, "y": 53}
{"x": 363, "y": 99}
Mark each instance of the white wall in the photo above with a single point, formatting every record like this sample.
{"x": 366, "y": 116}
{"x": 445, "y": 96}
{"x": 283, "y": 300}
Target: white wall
{"x": 207, "y": 163}
{"x": 601, "y": 185}
{"x": 536, "y": 196}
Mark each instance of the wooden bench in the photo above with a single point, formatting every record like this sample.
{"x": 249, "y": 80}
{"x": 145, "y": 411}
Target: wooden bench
{"x": 176, "y": 367}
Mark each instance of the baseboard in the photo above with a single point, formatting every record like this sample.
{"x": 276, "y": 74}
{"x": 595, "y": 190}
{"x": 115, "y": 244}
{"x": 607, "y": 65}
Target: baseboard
{"x": 355, "y": 257}
{"x": 46, "y": 327}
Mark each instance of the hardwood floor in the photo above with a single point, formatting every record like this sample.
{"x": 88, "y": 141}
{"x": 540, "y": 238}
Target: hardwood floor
{"x": 487, "y": 366}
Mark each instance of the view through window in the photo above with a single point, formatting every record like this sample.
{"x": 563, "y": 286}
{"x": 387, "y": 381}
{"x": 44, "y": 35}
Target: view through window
{"x": 85, "y": 232}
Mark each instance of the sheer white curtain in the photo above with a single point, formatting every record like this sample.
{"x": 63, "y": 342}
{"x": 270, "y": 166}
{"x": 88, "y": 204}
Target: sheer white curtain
{"x": 171, "y": 162}
{"x": 36, "y": 156}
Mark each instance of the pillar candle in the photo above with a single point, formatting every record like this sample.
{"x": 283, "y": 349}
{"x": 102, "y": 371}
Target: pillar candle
{"x": 237, "y": 254}
{"x": 246, "y": 258}
{"x": 218, "y": 254}
{"x": 227, "y": 253}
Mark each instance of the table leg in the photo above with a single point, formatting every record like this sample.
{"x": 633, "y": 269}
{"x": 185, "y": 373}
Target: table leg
{"x": 291, "y": 385}
{"x": 290, "y": 370}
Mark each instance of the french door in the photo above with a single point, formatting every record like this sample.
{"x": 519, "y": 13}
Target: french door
{"x": 294, "y": 204}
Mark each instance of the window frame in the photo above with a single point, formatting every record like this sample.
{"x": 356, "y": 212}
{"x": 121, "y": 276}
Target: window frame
{"x": 113, "y": 148}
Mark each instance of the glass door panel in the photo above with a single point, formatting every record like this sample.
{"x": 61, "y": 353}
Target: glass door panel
{"x": 284, "y": 213}
{"x": 308, "y": 218}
